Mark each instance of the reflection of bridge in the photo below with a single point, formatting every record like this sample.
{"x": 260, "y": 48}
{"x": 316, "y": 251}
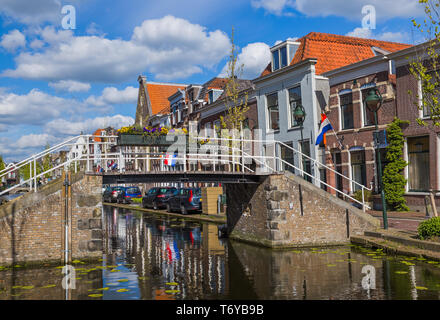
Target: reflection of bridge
{"x": 230, "y": 161}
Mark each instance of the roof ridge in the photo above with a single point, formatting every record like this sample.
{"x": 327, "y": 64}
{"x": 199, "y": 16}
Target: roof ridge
{"x": 167, "y": 84}
{"x": 318, "y": 36}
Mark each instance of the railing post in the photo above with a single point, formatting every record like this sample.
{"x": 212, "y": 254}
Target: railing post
{"x": 35, "y": 175}
{"x": 88, "y": 154}
{"x": 30, "y": 176}
{"x": 363, "y": 199}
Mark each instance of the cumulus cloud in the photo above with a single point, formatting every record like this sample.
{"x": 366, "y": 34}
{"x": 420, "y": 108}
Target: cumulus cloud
{"x": 34, "y": 140}
{"x": 401, "y": 37}
{"x": 70, "y": 86}
{"x": 64, "y": 127}
{"x": 35, "y": 107}
{"x": 112, "y": 95}
{"x": 385, "y": 9}
{"x": 13, "y": 40}
{"x": 170, "y": 48}
{"x": 254, "y": 58}
{"x": 277, "y": 7}
{"x": 31, "y": 12}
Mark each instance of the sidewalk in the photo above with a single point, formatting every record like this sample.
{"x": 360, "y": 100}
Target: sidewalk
{"x": 397, "y": 214}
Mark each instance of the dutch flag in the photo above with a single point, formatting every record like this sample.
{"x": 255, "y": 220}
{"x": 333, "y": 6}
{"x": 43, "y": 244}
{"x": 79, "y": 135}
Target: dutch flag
{"x": 170, "y": 160}
{"x": 325, "y": 126}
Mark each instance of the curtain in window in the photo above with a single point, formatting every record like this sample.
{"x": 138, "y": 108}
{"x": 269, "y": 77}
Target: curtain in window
{"x": 272, "y": 105}
{"x": 347, "y": 111}
{"x": 294, "y": 101}
{"x": 418, "y": 168}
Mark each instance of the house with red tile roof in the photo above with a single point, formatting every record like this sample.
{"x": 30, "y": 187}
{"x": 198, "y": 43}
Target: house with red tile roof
{"x": 153, "y": 97}
{"x": 295, "y": 77}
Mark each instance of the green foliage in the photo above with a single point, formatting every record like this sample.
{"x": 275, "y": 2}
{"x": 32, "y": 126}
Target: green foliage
{"x": 393, "y": 180}
{"x": 429, "y": 228}
{"x": 2, "y": 163}
{"x": 236, "y": 102}
{"x": 427, "y": 70}
{"x": 27, "y": 171}
{"x": 47, "y": 163}
{"x": 358, "y": 195}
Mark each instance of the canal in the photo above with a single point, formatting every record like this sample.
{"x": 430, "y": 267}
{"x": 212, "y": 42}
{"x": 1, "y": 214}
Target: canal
{"x": 159, "y": 258}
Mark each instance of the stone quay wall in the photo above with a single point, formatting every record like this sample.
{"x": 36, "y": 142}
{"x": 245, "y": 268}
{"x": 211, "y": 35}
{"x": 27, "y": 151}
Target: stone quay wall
{"x": 269, "y": 214}
{"x": 32, "y": 226}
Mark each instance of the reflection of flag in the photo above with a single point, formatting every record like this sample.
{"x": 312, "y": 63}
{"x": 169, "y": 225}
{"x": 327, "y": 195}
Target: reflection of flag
{"x": 170, "y": 160}
{"x": 325, "y": 126}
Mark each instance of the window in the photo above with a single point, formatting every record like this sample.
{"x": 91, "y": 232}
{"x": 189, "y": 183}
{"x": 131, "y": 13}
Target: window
{"x": 276, "y": 60}
{"x": 368, "y": 115}
{"x": 272, "y": 107}
{"x": 283, "y": 57}
{"x": 294, "y": 101}
{"x": 346, "y": 103}
{"x": 358, "y": 172}
{"x": 431, "y": 94}
{"x": 418, "y": 168}
{"x": 217, "y": 128}
{"x": 210, "y": 96}
{"x": 306, "y": 162}
{"x": 287, "y": 155}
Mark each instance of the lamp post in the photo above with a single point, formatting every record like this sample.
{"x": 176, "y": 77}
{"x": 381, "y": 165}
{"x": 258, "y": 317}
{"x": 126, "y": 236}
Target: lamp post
{"x": 300, "y": 115}
{"x": 373, "y": 101}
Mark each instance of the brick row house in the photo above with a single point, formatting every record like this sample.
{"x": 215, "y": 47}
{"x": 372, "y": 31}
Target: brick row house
{"x": 354, "y": 125}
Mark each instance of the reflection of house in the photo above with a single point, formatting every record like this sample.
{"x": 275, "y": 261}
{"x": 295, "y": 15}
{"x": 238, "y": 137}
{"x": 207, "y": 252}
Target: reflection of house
{"x": 295, "y": 77}
{"x": 13, "y": 176}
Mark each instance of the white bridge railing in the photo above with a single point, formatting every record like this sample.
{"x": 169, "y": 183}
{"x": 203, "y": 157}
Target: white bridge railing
{"x": 101, "y": 154}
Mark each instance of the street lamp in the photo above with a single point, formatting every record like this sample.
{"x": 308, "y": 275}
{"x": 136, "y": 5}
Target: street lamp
{"x": 300, "y": 115}
{"x": 373, "y": 101}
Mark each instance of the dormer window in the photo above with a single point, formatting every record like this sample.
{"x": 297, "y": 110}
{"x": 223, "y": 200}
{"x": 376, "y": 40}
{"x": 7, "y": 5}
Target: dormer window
{"x": 213, "y": 95}
{"x": 283, "y": 53}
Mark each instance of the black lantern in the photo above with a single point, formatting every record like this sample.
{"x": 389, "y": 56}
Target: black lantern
{"x": 373, "y": 102}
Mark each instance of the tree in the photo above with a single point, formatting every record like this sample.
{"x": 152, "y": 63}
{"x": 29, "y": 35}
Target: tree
{"x": 235, "y": 100}
{"x": 27, "y": 171}
{"x": 2, "y": 164}
{"x": 424, "y": 67}
{"x": 47, "y": 162}
{"x": 393, "y": 180}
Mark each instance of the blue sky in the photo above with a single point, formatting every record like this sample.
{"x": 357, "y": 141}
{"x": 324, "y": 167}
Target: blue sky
{"x": 55, "y": 83}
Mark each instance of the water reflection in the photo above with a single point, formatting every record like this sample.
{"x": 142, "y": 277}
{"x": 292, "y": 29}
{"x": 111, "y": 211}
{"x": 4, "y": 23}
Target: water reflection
{"x": 150, "y": 257}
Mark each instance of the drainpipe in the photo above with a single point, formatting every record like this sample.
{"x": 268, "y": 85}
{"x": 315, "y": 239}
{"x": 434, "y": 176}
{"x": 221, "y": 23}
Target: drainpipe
{"x": 66, "y": 218}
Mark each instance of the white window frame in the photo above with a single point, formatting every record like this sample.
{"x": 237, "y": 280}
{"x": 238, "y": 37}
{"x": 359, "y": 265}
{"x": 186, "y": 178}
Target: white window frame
{"x": 344, "y": 92}
{"x": 289, "y": 111}
{"x": 268, "y": 128}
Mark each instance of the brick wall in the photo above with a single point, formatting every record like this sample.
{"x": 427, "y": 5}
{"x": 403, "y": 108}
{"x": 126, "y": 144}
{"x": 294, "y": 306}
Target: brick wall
{"x": 32, "y": 226}
{"x": 269, "y": 214}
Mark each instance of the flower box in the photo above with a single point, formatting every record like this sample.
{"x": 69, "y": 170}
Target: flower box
{"x": 143, "y": 140}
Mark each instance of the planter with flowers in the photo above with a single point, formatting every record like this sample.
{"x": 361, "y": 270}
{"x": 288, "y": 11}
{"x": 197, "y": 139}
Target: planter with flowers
{"x": 147, "y": 136}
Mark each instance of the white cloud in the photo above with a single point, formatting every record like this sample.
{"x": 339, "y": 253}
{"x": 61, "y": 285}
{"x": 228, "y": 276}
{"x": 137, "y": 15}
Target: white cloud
{"x": 254, "y": 58}
{"x": 112, "y": 95}
{"x": 70, "y": 86}
{"x": 13, "y": 40}
{"x": 385, "y": 9}
{"x": 34, "y": 140}
{"x": 401, "y": 37}
{"x": 169, "y": 47}
{"x": 31, "y": 12}
{"x": 35, "y": 107}
{"x": 64, "y": 127}
{"x": 276, "y": 7}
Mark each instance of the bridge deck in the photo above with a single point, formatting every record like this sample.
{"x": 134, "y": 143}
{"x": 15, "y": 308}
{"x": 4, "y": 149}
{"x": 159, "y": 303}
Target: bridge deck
{"x": 179, "y": 176}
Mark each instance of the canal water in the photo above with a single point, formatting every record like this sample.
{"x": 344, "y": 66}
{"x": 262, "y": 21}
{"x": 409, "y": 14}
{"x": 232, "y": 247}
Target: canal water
{"x": 159, "y": 258}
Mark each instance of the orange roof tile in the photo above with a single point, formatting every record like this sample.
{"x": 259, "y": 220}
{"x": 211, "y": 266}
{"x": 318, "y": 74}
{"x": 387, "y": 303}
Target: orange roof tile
{"x": 334, "y": 51}
{"x": 159, "y": 94}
